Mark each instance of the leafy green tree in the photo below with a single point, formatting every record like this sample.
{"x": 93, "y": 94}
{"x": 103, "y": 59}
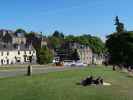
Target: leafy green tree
{"x": 120, "y": 48}
{"x": 54, "y": 42}
{"x": 95, "y": 43}
{"x": 120, "y": 45}
{"x": 44, "y": 55}
{"x": 70, "y": 38}
{"x": 21, "y": 31}
{"x": 58, "y": 34}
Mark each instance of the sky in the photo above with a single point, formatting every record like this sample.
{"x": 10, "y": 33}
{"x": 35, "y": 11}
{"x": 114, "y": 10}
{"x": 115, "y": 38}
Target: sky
{"x": 77, "y": 17}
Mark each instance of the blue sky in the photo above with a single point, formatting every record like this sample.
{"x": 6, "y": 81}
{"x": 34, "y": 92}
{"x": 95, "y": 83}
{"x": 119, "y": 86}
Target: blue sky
{"x": 69, "y": 16}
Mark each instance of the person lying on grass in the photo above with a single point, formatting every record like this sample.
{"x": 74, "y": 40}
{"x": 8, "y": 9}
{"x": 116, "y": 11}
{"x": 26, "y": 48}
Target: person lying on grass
{"x": 90, "y": 80}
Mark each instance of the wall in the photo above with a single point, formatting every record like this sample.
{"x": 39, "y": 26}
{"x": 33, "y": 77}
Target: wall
{"x": 9, "y": 57}
{"x": 85, "y": 55}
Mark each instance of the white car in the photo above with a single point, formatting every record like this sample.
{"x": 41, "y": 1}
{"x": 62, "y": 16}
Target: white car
{"x": 79, "y": 64}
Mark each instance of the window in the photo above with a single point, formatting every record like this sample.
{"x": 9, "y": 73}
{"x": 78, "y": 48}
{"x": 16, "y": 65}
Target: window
{"x": 7, "y": 53}
{"x": 2, "y": 61}
{"x": 18, "y": 52}
{"x": 25, "y": 58}
{"x": 29, "y": 52}
{"x": 18, "y": 61}
{"x": 25, "y": 52}
{"x": 2, "y": 53}
{"x": 33, "y": 51}
{"x": 7, "y": 61}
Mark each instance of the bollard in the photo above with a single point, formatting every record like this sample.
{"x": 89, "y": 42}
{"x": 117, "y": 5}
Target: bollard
{"x": 29, "y": 70}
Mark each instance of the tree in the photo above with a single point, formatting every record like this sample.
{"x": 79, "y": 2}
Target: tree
{"x": 95, "y": 43}
{"x": 70, "y": 38}
{"x": 58, "y": 34}
{"x": 54, "y": 42}
{"x": 44, "y": 55}
{"x": 20, "y": 31}
{"x": 120, "y": 45}
{"x": 119, "y": 25}
{"x": 120, "y": 48}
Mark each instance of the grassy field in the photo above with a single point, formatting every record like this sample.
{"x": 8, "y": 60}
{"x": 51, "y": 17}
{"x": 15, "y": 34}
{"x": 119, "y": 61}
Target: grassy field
{"x": 62, "y": 86}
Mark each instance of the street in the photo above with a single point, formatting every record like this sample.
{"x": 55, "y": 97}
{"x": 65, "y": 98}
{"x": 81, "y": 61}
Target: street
{"x": 35, "y": 70}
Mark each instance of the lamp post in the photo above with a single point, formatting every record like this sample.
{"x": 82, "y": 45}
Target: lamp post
{"x": 29, "y": 70}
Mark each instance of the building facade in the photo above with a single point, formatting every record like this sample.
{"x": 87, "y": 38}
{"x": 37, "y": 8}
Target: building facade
{"x": 14, "y": 49}
{"x": 98, "y": 59}
{"x": 84, "y": 51}
{"x": 66, "y": 52}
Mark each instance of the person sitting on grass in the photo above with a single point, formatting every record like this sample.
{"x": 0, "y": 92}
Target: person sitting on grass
{"x": 87, "y": 81}
{"x": 98, "y": 81}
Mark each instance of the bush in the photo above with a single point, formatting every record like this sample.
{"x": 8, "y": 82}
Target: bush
{"x": 44, "y": 56}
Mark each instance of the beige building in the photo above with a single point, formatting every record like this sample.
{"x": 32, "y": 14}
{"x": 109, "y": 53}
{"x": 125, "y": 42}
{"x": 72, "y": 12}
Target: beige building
{"x": 19, "y": 55}
{"x": 14, "y": 49}
{"x": 98, "y": 59}
{"x": 85, "y": 54}
{"x": 84, "y": 51}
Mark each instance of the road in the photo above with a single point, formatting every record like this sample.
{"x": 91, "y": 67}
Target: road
{"x": 37, "y": 70}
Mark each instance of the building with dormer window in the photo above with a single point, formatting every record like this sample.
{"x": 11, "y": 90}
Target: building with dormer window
{"x": 14, "y": 49}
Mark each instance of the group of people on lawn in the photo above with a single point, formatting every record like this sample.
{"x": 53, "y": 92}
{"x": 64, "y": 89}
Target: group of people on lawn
{"x": 90, "y": 80}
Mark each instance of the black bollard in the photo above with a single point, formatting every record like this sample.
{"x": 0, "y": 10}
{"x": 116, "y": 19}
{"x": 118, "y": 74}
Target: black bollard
{"x": 29, "y": 70}
{"x": 114, "y": 68}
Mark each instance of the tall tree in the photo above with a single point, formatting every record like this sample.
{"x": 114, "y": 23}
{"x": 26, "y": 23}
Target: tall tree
{"x": 119, "y": 25}
{"x": 120, "y": 46}
{"x": 58, "y": 34}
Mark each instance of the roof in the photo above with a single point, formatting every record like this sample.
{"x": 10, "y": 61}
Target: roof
{"x": 11, "y": 47}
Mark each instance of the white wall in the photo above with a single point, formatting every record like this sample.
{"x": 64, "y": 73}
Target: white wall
{"x": 13, "y": 54}
{"x": 86, "y": 55}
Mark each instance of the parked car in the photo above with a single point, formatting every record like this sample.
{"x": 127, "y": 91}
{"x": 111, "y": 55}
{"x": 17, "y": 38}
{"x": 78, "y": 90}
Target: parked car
{"x": 79, "y": 64}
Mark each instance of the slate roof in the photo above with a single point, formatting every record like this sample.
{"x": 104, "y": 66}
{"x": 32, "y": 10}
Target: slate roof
{"x": 12, "y": 47}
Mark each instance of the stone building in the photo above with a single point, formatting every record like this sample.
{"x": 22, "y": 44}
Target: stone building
{"x": 14, "y": 49}
{"x": 98, "y": 59}
{"x": 20, "y": 54}
{"x": 85, "y": 53}
{"x": 67, "y": 48}
{"x": 37, "y": 40}
{"x": 10, "y": 37}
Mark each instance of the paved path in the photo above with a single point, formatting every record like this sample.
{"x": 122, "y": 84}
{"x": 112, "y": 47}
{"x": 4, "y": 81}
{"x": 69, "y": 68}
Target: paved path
{"x": 22, "y": 71}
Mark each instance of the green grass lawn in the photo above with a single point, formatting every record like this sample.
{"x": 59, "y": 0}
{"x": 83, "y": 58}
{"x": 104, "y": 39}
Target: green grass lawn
{"x": 62, "y": 86}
